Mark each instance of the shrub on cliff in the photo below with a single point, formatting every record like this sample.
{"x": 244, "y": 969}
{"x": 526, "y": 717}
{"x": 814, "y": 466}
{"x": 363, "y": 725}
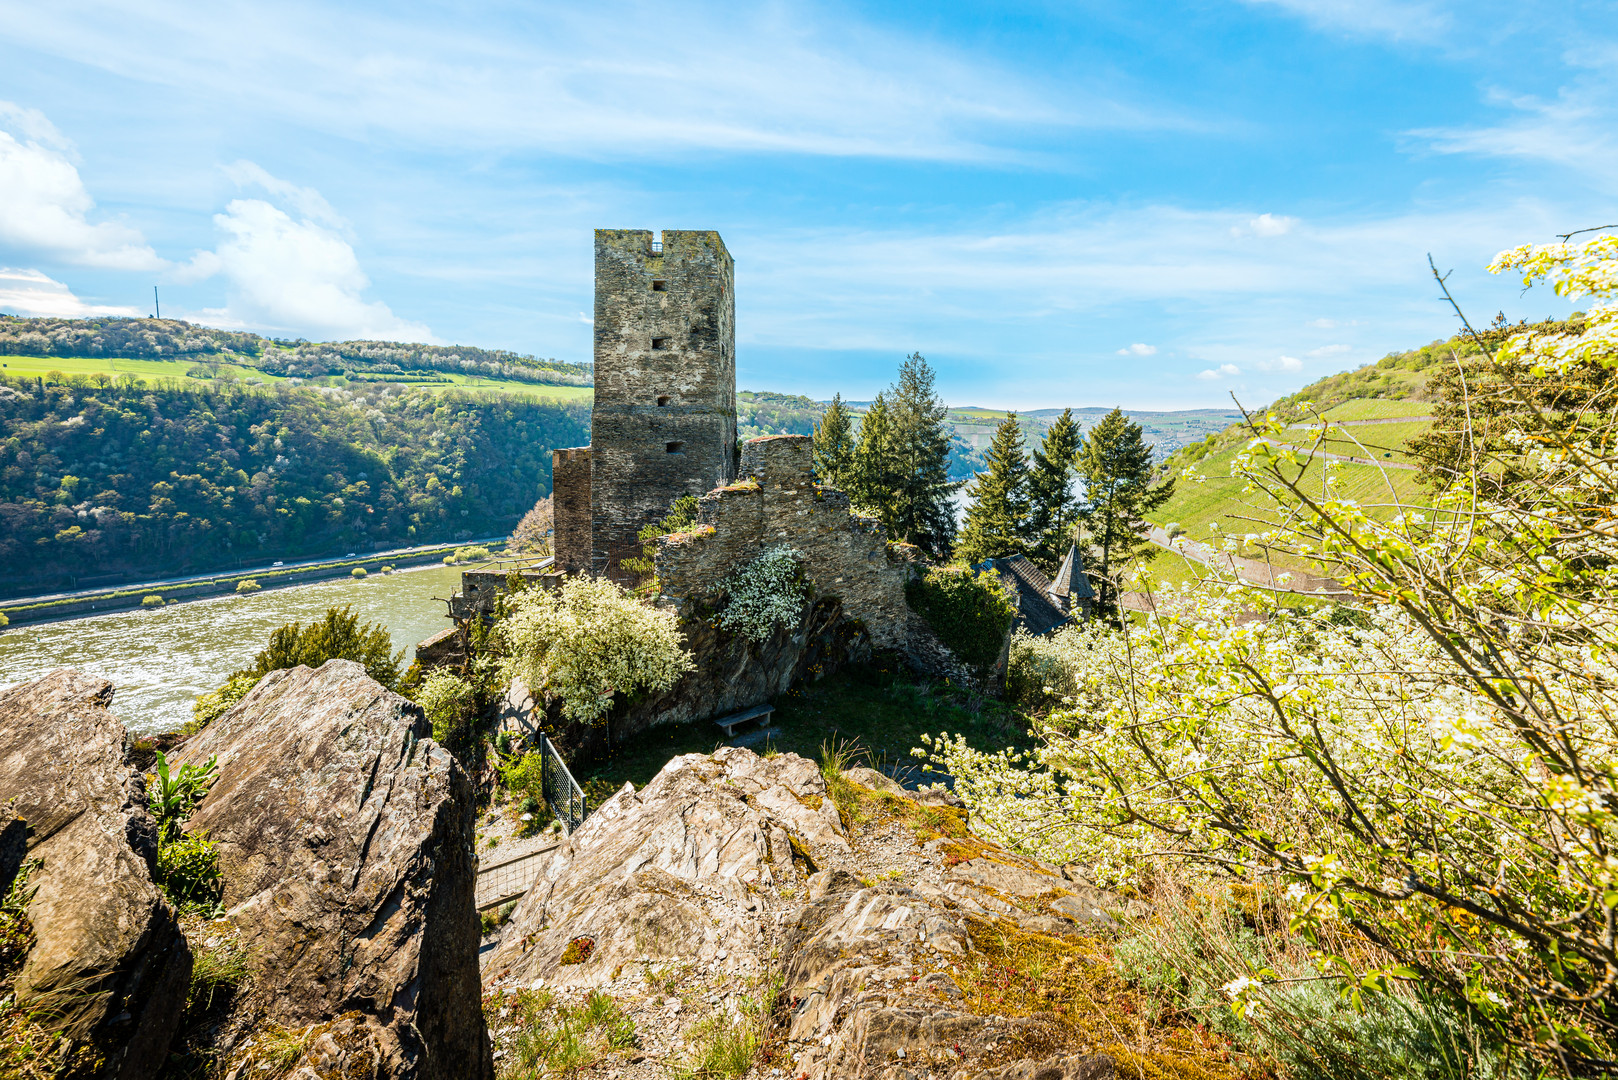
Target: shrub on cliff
{"x": 764, "y": 594}
{"x": 970, "y": 612}
{"x": 210, "y": 706}
{"x": 449, "y": 702}
{"x": 339, "y": 635}
{"x": 588, "y": 640}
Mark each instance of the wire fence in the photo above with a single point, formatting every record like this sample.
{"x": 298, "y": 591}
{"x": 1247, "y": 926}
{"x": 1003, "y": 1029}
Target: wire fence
{"x": 562, "y": 792}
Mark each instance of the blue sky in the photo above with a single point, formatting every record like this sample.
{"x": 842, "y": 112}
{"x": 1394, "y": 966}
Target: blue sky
{"x": 1151, "y": 205}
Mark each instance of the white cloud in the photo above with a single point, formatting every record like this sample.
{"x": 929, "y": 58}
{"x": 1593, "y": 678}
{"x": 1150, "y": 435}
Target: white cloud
{"x": 1396, "y": 19}
{"x": 1324, "y": 324}
{"x": 1220, "y": 372}
{"x": 29, "y": 292}
{"x": 44, "y": 207}
{"x": 1329, "y": 350}
{"x": 1266, "y": 225}
{"x": 1280, "y": 363}
{"x": 293, "y": 273}
{"x": 1139, "y": 349}
{"x": 603, "y": 81}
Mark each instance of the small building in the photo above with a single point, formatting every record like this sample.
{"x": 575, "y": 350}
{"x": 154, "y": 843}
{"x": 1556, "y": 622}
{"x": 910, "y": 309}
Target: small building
{"x": 1043, "y": 604}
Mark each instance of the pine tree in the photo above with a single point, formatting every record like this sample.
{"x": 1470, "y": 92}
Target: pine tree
{"x": 1053, "y": 509}
{"x": 870, "y": 477}
{"x": 923, "y": 511}
{"x": 996, "y": 522}
{"x": 1116, "y": 466}
{"x": 834, "y": 444}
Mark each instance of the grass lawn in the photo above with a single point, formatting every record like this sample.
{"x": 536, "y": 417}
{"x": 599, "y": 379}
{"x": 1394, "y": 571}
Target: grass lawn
{"x": 39, "y": 366}
{"x": 879, "y": 709}
{"x": 1375, "y": 409}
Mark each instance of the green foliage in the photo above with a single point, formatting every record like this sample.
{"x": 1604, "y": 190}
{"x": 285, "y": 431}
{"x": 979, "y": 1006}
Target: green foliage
{"x": 219, "y": 968}
{"x": 210, "y": 706}
{"x": 16, "y": 930}
{"x": 151, "y": 601}
{"x": 450, "y": 704}
{"x": 900, "y": 469}
{"x": 1053, "y": 508}
{"x": 188, "y": 871}
{"x": 339, "y": 635}
{"x": 556, "y": 1039}
{"x": 358, "y": 573}
{"x": 247, "y": 585}
{"x": 173, "y": 796}
{"x": 970, "y": 612}
{"x": 170, "y": 479}
{"x": 589, "y": 640}
{"x": 682, "y": 514}
{"x": 834, "y": 444}
{"x": 765, "y": 594}
{"x": 997, "y": 520}
{"x": 1115, "y": 465}
{"x": 725, "y": 1046}
{"x": 760, "y": 412}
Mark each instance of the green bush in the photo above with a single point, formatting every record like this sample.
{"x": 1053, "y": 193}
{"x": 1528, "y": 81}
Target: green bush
{"x": 209, "y": 707}
{"x": 173, "y": 795}
{"x": 151, "y": 601}
{"x": 248, "y": 585}
{"x": 524, "y": 778}
{"x": 449, "y": 701}
{"x": 339, "y": 635}
{"x": 188, "y": 871}
{"x": 471, "y": 554}
{"x": 357, "y": 573}
{"x": 970, "y": 612}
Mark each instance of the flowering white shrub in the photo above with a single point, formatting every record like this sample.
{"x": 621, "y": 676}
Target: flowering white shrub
{"x": 1076, "y": 666}
{"x": 1433, "y": 771}
{"x": 588, "y": 640}
{"x": 764, "y": 594}
{"x": 447, "y": 700}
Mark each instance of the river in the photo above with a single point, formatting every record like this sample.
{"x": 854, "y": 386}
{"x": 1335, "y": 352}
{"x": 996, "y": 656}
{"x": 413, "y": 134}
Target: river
{"x": 160, "y": 660}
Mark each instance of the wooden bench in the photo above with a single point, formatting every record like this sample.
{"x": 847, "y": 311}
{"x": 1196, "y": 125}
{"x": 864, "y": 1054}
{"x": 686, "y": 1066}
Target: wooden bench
{"x": 761, "y": 713}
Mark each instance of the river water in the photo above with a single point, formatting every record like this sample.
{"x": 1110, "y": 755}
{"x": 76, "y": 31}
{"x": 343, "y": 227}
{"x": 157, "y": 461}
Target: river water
{"x": 160, "y": 660}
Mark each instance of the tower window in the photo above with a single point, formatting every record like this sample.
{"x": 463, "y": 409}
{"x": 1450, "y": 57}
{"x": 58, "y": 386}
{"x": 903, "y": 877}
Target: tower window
{"x": 664, "y": 400}
{"x": 661, "y": 342}
{"x": 660, "y": 286}
{"x": 674, "y": 447}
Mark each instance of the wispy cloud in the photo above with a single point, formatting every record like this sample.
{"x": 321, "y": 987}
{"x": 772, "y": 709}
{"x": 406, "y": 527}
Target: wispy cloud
{"x": 1221, "y": 372}
{"x": 607, "y": 81}
{"x": 30, "y": 292}
{"x": 44, "y": 207}
{"x": 1400, "y": 20}
{"x": 1280, "y": 363}
{"x": 1139, "y": 349}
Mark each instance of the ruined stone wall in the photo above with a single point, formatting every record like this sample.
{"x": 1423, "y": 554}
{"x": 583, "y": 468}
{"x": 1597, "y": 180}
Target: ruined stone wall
{"x": 777, "y": 502}
{"x": 570, "y": 508}
{"x": 664, "y": 421}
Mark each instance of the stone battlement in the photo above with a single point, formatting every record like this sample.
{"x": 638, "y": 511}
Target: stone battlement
{"x": 778, "y": 501}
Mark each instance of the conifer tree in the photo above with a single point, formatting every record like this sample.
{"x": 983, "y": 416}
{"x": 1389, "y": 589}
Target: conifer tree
{"x": 834, "y": 444}
{"x": 870, "y": 477}
{"x": 1116, "y": 466}
{"x": 1053, "y": 509}
{"x": 996, "y": 522}
{"x": 924, "y": 513}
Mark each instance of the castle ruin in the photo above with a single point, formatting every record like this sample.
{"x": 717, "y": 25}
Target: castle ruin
{"x": 664, "y": 423}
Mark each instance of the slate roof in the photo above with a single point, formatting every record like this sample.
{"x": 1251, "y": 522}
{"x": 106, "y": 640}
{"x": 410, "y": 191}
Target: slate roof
{"x": 1071, "y": 580}
{"x": 1035, "y": 611}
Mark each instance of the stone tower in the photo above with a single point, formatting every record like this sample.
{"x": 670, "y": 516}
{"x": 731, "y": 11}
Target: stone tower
{"x": 664, "y": 422}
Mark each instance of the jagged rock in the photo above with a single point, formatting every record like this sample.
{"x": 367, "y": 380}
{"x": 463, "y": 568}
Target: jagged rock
{"x": 690, "y": 867}
{"x": 345, "y": 838}
{"x": 706, "y": 870}
{"x": 108, "y": 957}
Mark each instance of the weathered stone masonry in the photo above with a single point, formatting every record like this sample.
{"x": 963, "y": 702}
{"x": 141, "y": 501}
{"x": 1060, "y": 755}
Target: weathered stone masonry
{"x": 778, "y": 502}
{"x": 664, "y": 421}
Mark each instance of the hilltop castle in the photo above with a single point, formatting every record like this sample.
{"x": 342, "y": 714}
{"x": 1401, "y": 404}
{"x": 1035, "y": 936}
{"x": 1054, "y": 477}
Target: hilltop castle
{"x": 664, "y": 423}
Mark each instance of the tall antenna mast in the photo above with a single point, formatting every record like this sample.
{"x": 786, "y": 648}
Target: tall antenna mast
{"x": 155, "y": 304}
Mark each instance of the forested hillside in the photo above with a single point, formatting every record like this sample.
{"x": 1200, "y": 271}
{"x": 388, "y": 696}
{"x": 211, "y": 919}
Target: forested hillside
{"x": 171, "y": 339}
{"x": 98, "y": 481}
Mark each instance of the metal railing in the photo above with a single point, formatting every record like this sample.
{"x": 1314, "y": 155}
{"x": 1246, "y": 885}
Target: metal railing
{"x": 562, "y": 792}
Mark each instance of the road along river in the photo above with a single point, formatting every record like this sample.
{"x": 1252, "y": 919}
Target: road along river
{"x": 160, "y": 660}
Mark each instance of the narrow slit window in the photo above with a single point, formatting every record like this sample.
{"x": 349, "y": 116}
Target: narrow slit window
{"x": 660, "y": 286}
{"x": 674, "y": 447}
{"x": 660, "y": 342}
{"x": 664, "y": 400}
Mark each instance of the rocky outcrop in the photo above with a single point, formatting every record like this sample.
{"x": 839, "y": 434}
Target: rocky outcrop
{"x": 345, "y": 838}
{"x": 109, "y": 964}
{"x": 728, "y": 870}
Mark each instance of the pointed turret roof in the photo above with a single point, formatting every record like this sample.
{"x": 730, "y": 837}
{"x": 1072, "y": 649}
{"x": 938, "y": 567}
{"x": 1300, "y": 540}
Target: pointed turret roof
{"x": 1071, "y": 580}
